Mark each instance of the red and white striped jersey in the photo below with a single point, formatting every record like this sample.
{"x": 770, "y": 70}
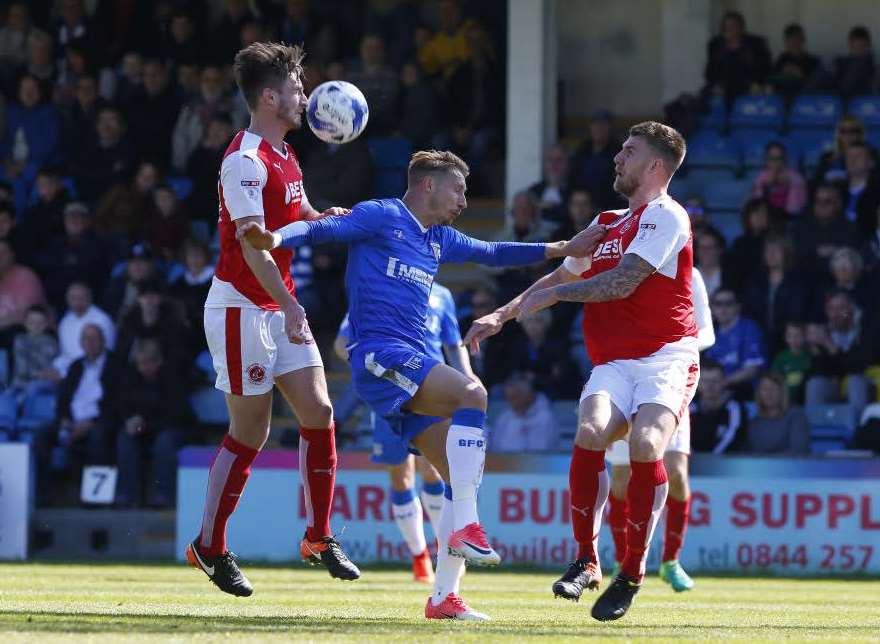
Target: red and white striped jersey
{"x": 255, "y": 180}
{"x": 660, "y": 311}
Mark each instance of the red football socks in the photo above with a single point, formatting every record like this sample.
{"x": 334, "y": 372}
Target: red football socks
{"x": 226, "y": 480}
{"x": 317, "y": 465}
{"x": 677, "y": 513}
{"x": 617, "y": 522}
{"x": 645, "y": 498}
{"x": 588, "y": 485}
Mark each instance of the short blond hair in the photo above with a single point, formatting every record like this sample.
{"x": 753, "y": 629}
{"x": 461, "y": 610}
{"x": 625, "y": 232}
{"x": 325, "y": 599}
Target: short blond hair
{"x": 425, "y": 162}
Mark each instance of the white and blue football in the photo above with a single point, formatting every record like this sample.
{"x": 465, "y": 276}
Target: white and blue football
{"x": 337, "y": 112}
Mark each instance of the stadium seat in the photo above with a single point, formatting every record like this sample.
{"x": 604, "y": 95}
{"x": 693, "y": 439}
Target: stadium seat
{"x": 726, "y": 195}
{"x": 37, "y": 411}
{"x": 810, "y": 145}
{"x": 751, "y": 145}
{"x": 715, "y": 116}
{"x": 182, "y": 186}
{"x": 819, "y": 446}
{"x": 831, "y": 422}
{"x": 205, "y": 363}
{"x": 759, "y": 111}
{"x": 816, "y": 111}
{"x": 4, "y": 368}
{"x": 391, "y": 158}
{"x": 710, "y": 150}
{"x": 8, "y": 411}
{"x": 870, "y": 412}
{"x": 209, "y": 406}
{"x": 680, "y": 188}
{"x": 866, "y": 109}
{"x": 727, "y": 222}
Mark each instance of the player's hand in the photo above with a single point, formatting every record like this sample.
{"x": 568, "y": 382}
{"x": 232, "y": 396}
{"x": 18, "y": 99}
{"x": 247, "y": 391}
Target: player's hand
{"x": 336, "y": 211}
{"x": 296, "y": 327}
{"x": 536, "y": 301}
{"x": 256, "y": 235}
{"x": 585, "y": 242}
{"x": 482, "y": 328}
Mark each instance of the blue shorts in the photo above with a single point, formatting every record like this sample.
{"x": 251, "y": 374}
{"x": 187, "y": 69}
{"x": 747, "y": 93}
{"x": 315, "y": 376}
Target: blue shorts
{"x": 386, "y": 379}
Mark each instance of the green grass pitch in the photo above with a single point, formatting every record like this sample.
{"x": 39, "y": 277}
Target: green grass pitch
{"x": 113, "y": 603}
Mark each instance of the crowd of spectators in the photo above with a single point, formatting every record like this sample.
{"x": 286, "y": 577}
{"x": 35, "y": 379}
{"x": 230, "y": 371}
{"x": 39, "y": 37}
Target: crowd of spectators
{"x": 114, "y": 118}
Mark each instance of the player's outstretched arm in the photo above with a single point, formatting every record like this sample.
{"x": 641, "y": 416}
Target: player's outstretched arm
{"x": 488, "y": 325}
{"x": 362, "y": 223}
{"x": 615, "y": 284}
{"x": 458, "y": 247}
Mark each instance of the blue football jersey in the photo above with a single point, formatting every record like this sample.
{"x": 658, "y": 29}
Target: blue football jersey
{"x": 392, "y": 261}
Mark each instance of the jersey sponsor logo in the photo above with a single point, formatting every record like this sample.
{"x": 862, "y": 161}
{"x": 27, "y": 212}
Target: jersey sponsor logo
{"x": 407, "y": 273}
{"x": 249, "y": 182}
{"x": 645, "y": 230}
{"x": 414, "y": 362}
{"x": 293, "y": 192}
{"x": 256, "y": 373}
{"x": 608, "y": 250}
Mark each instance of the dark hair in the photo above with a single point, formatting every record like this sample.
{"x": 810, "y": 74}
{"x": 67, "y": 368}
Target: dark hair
{"x": 38, "y": 308}
{"x": 784, "y": 241}
{"x": 859, "y": 32}
{"x": 839, "y": 292}
{"x": 7, "y": 206}
{"x": 776, "y": 144}
{"x": 796, "y": 324}
{"x": 725, "y": 289}
{"x": 707, "y": 364}
{"x": 265, "y": 64}
{"x": 794, "y": 29}
{"x": 827, "y": 185}
{"x": 666, "y": 141}
{"x": 734, "y": 15}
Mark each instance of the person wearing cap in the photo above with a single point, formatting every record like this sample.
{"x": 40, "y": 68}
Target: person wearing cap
{"x": 592, "y": 166}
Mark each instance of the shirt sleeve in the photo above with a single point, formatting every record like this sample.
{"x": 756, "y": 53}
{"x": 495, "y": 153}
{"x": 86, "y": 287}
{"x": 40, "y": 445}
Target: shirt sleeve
{"x": 661, "y": 236}
{"x": 449, "y": 331}
{"x": 702, "y": 312}
{"x": 243, "y": 178}
{"x": 458, "y": 247}
{"x": 363, "y": 222}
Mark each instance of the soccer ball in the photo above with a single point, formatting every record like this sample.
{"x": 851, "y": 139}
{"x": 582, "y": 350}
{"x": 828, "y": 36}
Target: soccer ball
{"x": 337, "y": 112}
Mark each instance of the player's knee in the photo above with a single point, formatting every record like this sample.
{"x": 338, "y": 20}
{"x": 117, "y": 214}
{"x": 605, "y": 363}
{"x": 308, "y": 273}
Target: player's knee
{"x": 646, "y": 446}
{"x": 475, "y": 397}
{"x": 589, "y": 435}
{"x": 320, "y": 416}
{"x": 401, "y": 478}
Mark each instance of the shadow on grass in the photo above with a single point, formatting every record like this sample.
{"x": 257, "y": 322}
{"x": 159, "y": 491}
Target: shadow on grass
{"x": 72, "y": 623}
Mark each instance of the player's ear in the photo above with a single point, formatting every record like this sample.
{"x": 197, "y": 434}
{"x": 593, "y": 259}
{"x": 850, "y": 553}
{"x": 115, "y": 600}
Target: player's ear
{"x": 428, "y": 183}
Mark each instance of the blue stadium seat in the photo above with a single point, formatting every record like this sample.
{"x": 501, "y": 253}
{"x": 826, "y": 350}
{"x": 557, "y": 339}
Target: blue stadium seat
{"x": 391, "y": 158}
{"x": 710, "y": 150}
{"x": 752, "y": 143}
{"x": 866, "y": 109}
{"x": 4, "y": 368}
{"x": 834, "y": 423}
{"x": 817, "y": 111}
{"x": 8, "y": 410}
{"x": 730, "y": 194}
{"x": 182, "y": 186}
{"x": 760, "y": 111}
{"x": 681, "y": 189}
{"x": 209, "y": 406}
{"x": 810, "y": 145}
{"x": 715, "y": 116}
{"x": 819, "y": 446}
{"x": 37, "y": 411}
{"x": 205, "y": 363}
{"x": 727, "y": 222}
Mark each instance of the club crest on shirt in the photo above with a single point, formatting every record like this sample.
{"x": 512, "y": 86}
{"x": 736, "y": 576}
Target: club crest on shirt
{"x": 436, "y": 248}
{"x": 256, "y": 373}
{"x": 398, "y": 233}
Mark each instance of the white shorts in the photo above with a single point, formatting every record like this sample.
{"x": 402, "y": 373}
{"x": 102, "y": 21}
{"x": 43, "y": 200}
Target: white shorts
{"x": 667, "y": 377}
{"x": 618, "y": 452}
{"x": 250, "y": 349}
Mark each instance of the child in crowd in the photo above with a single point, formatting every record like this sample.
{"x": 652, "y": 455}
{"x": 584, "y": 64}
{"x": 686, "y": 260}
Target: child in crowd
{"x": 33, "y": 352}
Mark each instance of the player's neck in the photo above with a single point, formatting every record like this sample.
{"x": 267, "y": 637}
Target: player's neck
{"x": 271, "y": 130}
{"x": 418, "y": 209}
{"x": 645, "y": 194}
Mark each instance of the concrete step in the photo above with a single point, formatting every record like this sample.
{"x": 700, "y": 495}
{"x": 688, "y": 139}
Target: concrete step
{"x": 86, "y": 533}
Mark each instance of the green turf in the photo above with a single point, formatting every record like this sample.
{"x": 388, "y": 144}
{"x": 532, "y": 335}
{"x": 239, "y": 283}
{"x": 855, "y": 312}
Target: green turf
{"x": 111, "y": 603}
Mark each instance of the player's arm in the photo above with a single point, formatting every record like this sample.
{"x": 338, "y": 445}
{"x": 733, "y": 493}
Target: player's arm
{"x": 242, "y": 178}
{"x": 362, "y": 223}
{"x": 490, "y": 324}
{"x": 266, "y": 271}
{"x": 458, "y": 247}
{"x": 457, "y": 357}
{"x": 702, "y": 312}
{"x": 662, "y": 235}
